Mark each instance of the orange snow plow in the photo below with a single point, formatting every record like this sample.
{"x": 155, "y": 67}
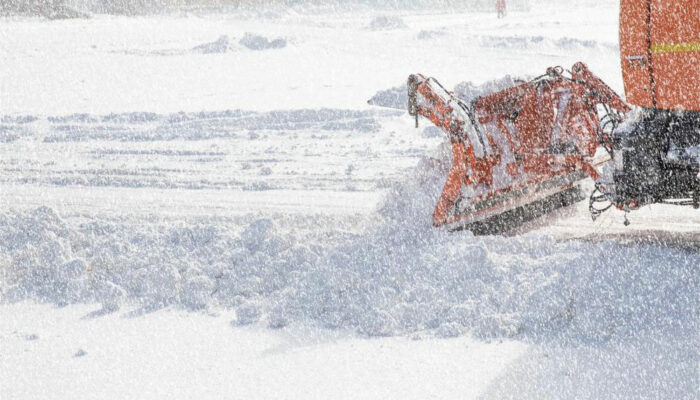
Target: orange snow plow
{"x": 520, "y": 152}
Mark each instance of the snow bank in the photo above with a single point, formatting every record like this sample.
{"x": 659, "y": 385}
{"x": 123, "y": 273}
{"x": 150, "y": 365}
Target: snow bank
{"x": 386, "y": 22}
{"x": 224, "y": 44}
{"x": 257, "y": 42}
{"x": 396, "y": 97}
{"x": 221, "y": 45}
{"x": 430, "y": 34}
{"x": 154, "y": 266}
{"x": 399, "y": 276}
{"x": 403, "y": 276}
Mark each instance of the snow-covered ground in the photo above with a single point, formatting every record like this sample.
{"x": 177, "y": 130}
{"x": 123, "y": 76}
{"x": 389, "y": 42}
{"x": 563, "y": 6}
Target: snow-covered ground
{"x": 205, "y": 206}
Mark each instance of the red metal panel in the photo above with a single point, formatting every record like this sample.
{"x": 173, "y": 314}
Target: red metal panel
{"x": 675, "y": 50}
{"x": 635, "y": 51}
{"x": 660, "y": 53}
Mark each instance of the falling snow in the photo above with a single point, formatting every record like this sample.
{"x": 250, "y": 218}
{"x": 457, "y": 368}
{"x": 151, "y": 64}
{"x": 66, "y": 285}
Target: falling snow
{"x": 228, "y": 200}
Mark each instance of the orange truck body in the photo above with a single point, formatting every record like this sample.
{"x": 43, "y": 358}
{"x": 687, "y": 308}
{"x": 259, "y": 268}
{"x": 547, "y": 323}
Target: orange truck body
{"x": 660, "y": 53}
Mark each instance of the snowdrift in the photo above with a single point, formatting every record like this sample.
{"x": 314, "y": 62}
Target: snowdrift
{"x": 397, "y": 97}
{"x": 399, "y": 276}
{"x": 220, "y": 45}
{"x": 249, "y": 40}
{"x": 257, "y": 42}
{"x": 386, "y": 22}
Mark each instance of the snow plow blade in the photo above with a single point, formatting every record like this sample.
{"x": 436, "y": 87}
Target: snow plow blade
{"x": 518, "y": 153}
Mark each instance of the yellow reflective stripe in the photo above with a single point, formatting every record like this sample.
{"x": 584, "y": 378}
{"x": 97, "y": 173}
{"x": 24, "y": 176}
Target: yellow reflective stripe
{"x": 675, "y": 47}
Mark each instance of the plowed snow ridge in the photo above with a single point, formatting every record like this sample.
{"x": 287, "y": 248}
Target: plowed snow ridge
{"x": 400, "y": 276}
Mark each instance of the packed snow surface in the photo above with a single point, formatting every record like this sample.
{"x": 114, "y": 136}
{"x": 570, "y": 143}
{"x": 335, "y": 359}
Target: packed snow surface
{"x": 204, "y": 213}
